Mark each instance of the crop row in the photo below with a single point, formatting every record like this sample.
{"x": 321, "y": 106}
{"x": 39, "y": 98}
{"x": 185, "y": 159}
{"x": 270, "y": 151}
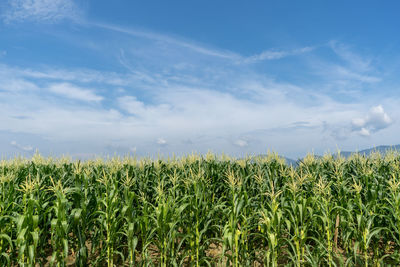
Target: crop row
{"x": 201, "y": 210}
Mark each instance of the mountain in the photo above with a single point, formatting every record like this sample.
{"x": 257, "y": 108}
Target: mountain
{"x": 346, "y": 154}
{"x": 380, "y": 149}
{"x": 291, "y": 161}
{"x": 288, "y": 160}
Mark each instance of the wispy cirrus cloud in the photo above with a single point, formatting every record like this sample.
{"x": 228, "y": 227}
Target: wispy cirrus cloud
{"x": 344, "y": 71}
{"x": 272, "y": 54}
{"x": 355, "y": 67}
{"x": 74, "y": 92}
{"x": 81, "y": 75}
{"x": 355, "y": 61}
{"x": 12, "y": 84}
{"x": 277, "y": 54}
{"x": 180, "y": 42}
{"x": 354, "y": 75}
{"x": 49, "y": 11}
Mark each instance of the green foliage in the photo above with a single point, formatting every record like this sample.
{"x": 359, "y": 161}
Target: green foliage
{"x": 201, "y": 211}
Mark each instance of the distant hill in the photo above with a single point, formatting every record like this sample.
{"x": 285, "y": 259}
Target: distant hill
{"x": 288, "y": 160}
{"x": 346, "y": 154}
{"x": 380, "y": 149}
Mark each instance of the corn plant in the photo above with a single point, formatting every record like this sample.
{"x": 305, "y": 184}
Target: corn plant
{"x": 6, "y": 244}
{"x": 165, "y": 215}
{"x": 59, "y": 224}
{"x": 108, "y": 219}
{"x": 298, "y": 207}
{"x": 27, "y": 224}
{"x": 130, "y": 215}
{"x": 201, "y": 211}
{"x": 270, "y": 226}
{"x": 199, "y": 218}
{"x": 236, "y": 232}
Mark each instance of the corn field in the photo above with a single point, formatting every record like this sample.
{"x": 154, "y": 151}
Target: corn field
{"x": 201, "y": 211}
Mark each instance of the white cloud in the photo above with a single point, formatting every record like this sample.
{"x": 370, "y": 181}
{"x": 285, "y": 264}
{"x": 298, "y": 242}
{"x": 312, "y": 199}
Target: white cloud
{"x": 132, "y": 105}
{"x": 354, "y": 75}
{"x": 364, "y": 132}
{"x": 26, "y": 148}
{"x": 181, "y": 91}
{"x": 354, "y": 60}
{"x": 240, "y": 143}
{"x": 16, "y": 85}
{"x": 267, "y": 55}
{"x": 346, "y": 72}
{"x": 276, "y": 54}
{"x": 376, "y": 119}
{"x": 73, "y": 92}
{"x": 161, "y": 141}
{"x": 146, "y": 113}
{"x": 77, "y": 75}
{"x": 50, "y": 74}
{"x": 202, "y": 114}
{"x": 201, "y": 49}
{"x": 40, "y": 10}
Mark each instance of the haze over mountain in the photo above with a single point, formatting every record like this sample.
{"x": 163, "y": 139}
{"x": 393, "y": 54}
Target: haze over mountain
{"x": 381, "y": 149}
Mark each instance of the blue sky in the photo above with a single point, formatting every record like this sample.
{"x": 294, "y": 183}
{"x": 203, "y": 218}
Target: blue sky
{"x": 85, "y": 77}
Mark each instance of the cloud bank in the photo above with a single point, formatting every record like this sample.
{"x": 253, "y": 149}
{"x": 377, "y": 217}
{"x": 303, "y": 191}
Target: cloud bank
{"x": 170, "y": 94}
